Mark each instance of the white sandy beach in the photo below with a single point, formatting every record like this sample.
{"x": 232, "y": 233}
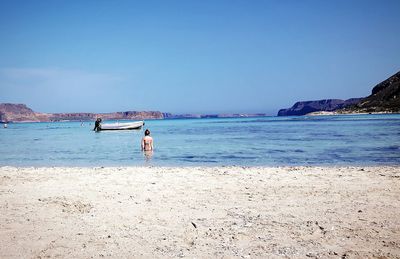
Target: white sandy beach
{"x": 203, "y": 212}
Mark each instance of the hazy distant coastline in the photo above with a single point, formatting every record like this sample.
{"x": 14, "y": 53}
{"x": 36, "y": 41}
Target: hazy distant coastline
{"x": 10, "y": 112}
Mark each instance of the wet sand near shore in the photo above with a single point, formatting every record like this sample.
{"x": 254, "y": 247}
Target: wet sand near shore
{"x": 203, "y": 212}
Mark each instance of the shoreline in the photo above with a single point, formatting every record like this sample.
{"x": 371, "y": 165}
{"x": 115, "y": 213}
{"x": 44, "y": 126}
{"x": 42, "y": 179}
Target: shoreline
{"x": 317, "y": 113}
{"x": 200, "y": 167}
{"x": 331, "y": 113}
{"x": 190, "y": 167}
{"x": 230, "y": 211}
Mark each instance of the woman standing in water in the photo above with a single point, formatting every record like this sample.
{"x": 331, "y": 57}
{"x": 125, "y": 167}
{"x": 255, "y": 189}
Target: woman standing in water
{"x": 147, "y": 141}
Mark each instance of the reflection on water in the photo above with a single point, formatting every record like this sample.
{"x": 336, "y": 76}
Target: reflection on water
{"x": 148, "y": 155}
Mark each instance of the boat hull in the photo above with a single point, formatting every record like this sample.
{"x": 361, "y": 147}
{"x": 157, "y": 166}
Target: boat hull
{"x": 122, "y": 126}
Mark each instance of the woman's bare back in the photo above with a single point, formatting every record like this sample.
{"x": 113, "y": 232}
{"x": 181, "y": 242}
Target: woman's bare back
{"x": 147, "y": 143}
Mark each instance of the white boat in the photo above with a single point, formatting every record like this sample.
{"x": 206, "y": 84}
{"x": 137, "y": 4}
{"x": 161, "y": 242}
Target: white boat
{"x": 122, "y": 126}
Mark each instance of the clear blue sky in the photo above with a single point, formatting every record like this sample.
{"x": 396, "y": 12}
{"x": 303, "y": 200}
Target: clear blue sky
{"x": 193, "y": 56}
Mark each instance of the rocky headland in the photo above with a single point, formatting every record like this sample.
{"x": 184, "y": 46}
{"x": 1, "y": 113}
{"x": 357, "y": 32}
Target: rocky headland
{"x": 10, "y": 112}
{"x": 327, "y": 105}
{"x": 16, "y": 112}
{"x": 385, "y": 98}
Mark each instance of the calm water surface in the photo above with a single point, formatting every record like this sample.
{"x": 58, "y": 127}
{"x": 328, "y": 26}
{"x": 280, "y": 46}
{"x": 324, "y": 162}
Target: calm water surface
{"x": 266, "y": 141}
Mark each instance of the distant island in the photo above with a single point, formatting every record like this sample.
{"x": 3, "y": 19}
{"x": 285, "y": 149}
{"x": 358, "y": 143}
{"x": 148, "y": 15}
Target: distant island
{"x": 385, "y": 98}
{"x": 10, "y": 112}
{"x": 208, "y": 116}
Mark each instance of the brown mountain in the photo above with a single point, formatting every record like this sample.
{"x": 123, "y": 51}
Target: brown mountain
{"x": 10, "y": 112}
{"x": 16, "y": 112}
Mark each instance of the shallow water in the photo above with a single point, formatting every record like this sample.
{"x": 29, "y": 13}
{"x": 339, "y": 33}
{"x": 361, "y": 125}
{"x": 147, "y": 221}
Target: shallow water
{"x": 264, "y": 141}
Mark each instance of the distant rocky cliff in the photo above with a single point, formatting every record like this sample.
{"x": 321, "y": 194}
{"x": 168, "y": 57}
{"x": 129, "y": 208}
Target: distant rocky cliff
{"x": 21, "y": 113}
{"x": 10, "y": 112}
{"x": 302, "y": 108}
{"x": 128, "y": 115}
{"x": 133, "y": 115}
{"x": 209, "y": 116}
{"x": 385, "y": 97}
{"x": 16, "y": 112}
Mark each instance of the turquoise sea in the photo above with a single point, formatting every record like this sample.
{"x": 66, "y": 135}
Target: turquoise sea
{"x": 263, "y": 141}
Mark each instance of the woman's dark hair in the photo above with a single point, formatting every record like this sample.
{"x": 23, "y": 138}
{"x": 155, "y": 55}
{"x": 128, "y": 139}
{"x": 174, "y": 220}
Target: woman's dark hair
{"x": 147, "y": 132}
